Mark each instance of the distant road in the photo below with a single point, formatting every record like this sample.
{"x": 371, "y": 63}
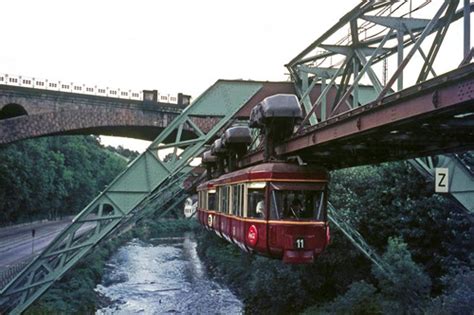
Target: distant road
{"x": 16, "y": 242}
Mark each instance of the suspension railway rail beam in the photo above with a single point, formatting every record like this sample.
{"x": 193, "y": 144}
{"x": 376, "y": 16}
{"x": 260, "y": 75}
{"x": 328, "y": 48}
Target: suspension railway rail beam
{"x": 432, "y": 117}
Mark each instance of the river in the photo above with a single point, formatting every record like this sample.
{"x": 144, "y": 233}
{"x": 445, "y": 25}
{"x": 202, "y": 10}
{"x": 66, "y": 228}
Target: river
{"x": 163, "y": 276}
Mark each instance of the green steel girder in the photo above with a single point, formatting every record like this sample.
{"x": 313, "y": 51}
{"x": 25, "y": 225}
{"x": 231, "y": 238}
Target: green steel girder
{"x": 441, "y": 33}
{"x": 359, "y": 242}
{"x": 143, "y": 188}
{"x": 326, "y": 73}
{"x": 407, "y": 30}
{"x": 354, "y": 14}
{"x": 398, "y": 23}
{"x": 365, "y": 69}
{"x": 426, "y": 31}
{"x": 460, "y": 177}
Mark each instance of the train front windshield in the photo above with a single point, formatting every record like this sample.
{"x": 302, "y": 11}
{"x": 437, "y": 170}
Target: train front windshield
{"x": 297, "y": 202}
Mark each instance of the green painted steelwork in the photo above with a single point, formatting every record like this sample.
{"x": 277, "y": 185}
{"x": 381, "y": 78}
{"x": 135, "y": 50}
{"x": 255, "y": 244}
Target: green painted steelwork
{"x": 344, "y": 63}
{"x": 359, "y": 242}
{"x": 379, "y": 29}
{"x": 150, "y": 183}
{"x": 461, "y": 177}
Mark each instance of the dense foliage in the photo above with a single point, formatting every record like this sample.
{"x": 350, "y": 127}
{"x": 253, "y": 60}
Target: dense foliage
{"x": 424, "y": 237}
{"x": 51, "y": 177}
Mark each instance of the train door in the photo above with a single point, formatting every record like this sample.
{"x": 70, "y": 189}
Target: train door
{"x": 276, "y": 232}
{"x": 241, "y": 225}
{"x": 226, "y": 219}
{"x": 255, "y": 224}
{"x": 237, "y": 225}
{"x": 222, "y": 209}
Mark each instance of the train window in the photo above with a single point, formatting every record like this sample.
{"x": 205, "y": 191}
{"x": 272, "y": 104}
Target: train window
{"x": 203, "y": 200}
{"x": 217, "y": 199}
{"x": 211, "y": 200}
{"x": 256, "y": 200}
{"x": 299, "y": 204}
{"x": 235, "y": 200}
{"x": 229, "y": 200}
{"x": 241, "y": 208}
{"x": 223, "y": 199}
{"x": 199, "y": 199}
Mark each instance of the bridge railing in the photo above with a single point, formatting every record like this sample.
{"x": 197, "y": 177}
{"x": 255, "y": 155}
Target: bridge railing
{"x": 81, "y": 88}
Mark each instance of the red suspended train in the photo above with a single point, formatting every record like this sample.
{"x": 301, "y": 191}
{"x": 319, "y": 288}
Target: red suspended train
{"x": 277, "y": 209}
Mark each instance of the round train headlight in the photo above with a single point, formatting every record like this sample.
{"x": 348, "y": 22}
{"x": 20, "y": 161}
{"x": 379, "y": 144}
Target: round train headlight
{"x": 252, "y": 235}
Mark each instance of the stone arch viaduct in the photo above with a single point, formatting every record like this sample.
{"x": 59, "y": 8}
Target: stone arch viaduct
{"x": 29, "y": 112}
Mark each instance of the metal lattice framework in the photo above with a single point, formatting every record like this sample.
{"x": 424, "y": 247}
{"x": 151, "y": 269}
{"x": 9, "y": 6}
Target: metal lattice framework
{"x": 373, "y": 33}
{"x": 150, "y": 184}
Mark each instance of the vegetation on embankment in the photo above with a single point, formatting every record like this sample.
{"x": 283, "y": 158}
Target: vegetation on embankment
{"x": 74, "y": 293}
{"x": 425, "y": 239}
{"x": 46, "y": 178}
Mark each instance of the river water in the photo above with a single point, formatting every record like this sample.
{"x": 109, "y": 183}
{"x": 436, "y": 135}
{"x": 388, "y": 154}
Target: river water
{"x": 163, "y": 276}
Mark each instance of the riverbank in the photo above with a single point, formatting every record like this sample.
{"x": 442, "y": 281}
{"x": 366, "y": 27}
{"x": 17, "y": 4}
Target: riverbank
{"x": 75, "y": 293}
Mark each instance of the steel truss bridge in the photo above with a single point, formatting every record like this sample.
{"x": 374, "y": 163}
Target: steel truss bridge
{"x": 347, "y": 124}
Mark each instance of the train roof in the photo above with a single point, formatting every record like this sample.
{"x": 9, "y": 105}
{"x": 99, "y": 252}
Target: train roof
{"x": 272, "y": 171}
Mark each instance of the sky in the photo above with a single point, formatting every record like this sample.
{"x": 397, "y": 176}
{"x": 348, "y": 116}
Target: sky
{"x": 172, "y": 46}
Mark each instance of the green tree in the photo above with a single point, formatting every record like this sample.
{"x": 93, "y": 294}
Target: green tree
{"x": 51, "y": 177}
{"x": 409, "y": 287}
